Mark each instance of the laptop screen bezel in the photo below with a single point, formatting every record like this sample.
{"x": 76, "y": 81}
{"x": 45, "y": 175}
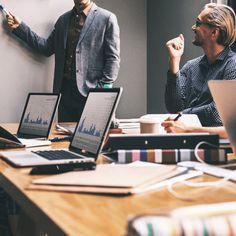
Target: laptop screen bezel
{"x": 20, "y": 133}
{"x": 80, "y": 151}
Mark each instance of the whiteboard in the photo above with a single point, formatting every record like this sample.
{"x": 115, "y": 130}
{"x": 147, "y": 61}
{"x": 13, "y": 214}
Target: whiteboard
{"x": 22, "y": 70}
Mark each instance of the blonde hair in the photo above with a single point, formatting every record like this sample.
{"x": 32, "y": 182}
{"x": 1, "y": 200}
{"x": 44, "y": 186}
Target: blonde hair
{"x": 223, "y": 17}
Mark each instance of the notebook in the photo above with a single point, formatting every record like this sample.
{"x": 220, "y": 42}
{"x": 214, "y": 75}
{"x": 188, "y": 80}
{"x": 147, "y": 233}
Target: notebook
{"x": 224, "y": 95}
{"x": 88, "y": 136}
{"x": 36, "y": 120}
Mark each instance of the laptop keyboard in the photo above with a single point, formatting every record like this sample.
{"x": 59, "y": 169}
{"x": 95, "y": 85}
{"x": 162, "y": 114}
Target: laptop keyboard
{"x": 57, "y": 155}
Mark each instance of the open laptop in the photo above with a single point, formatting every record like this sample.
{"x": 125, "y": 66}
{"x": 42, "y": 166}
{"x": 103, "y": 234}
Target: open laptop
{"x": 224, "y": 95}
{"x": 88, "y": 136}
{"x": 36, "y": 120}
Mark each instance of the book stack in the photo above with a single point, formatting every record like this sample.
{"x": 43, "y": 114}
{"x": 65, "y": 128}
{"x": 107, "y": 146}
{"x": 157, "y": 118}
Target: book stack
{"x": 161, "y": 225}
{"x": 212, "y": 219}
{"x": 169, "y": 156}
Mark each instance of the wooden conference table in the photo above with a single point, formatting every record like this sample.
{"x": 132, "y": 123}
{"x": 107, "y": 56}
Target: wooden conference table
{"x": 61, "y": 213}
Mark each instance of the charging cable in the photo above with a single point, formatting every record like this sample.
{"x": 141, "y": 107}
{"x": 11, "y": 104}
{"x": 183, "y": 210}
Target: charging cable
{"x": 213, "y": 184}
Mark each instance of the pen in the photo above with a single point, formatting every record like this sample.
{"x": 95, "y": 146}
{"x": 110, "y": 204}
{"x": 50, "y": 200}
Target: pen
{"x": 177, "y": 117}
{"x": 4, "y": 9}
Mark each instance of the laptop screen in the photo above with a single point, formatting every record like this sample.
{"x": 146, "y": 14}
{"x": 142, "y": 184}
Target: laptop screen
{"x": 38, "y": 114}
{"x": 95, "y": 120}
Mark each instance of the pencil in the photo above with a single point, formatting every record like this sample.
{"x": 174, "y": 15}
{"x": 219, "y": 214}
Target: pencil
{"x": 177, "y": 117}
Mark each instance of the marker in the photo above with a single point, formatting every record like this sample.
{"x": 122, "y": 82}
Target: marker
{"x": 2, "y": 8}
{"x": 177, "y": 117}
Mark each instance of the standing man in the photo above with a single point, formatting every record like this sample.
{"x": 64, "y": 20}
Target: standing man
{"x": 86, "y": 44}
{"x": 186, "y": 89}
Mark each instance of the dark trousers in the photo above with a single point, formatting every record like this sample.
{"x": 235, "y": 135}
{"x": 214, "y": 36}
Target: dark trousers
{"x": 72, "y": 102}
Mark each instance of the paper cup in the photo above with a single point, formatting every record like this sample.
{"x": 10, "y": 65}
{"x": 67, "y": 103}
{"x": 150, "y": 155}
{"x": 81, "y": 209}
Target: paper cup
{"x": 149, "y": 124}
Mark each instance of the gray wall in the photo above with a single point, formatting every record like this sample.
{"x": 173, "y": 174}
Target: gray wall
{"x": 133, "y": 73}
{"x": 23, "y": 71}
{"x": 166, "y": 20}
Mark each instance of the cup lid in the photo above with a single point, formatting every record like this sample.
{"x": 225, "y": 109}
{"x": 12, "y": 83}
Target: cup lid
{"x": 149, "y": 119}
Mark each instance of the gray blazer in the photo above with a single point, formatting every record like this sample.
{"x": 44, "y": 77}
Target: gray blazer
{"x": 97, "y": 52}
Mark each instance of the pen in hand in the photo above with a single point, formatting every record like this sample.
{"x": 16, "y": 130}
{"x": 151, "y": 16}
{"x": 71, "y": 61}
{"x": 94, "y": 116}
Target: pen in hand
{"x": 177, "y": 117}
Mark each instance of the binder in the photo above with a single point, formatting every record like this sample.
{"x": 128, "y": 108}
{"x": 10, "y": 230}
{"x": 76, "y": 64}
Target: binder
{"x": 162, "y": 141}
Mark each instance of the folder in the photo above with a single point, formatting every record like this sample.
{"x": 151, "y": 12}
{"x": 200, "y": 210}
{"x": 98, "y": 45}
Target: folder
{"x": 109, "y": 179}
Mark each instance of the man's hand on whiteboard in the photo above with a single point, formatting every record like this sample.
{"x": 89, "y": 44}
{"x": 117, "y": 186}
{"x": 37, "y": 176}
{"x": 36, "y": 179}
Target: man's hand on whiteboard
{"x": 13, "y": 21}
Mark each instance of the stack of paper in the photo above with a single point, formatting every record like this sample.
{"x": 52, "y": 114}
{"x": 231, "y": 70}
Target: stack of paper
{"x": 129, "y": 125}
{"x": 65, "y": 128}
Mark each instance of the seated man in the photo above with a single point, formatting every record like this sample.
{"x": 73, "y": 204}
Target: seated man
{"x": 187, "y": 89}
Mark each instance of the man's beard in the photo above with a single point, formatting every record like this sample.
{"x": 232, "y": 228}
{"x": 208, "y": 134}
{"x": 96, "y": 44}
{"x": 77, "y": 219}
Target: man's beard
{"x": 196, "y": 42}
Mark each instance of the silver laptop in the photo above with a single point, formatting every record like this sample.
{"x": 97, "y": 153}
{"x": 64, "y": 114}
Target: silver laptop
{"x": 36, "y": 120}
{"x": 88, "y": 136}
{"x": 224, "y": 95}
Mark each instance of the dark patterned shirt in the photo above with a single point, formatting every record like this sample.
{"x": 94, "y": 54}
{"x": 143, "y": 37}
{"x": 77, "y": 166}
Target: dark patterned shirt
{"x": 75, "y": 26}
{"x": 188, "y": 91}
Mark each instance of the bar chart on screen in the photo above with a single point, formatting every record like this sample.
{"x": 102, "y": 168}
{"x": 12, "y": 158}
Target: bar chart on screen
{"x": 93, "y": 121}
{"x": 38, "y": 113}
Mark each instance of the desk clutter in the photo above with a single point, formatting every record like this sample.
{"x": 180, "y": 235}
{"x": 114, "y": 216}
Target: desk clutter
{"x": 211, "y": 219}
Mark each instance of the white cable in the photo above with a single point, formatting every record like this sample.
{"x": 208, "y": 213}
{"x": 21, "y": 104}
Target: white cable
{"x": 214, "y": 184}
{"x": 196, "y": 150}
{"x": 211, "y": 183}
{"x": 200, "y": 160}
{"x": 183, "y": 196}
